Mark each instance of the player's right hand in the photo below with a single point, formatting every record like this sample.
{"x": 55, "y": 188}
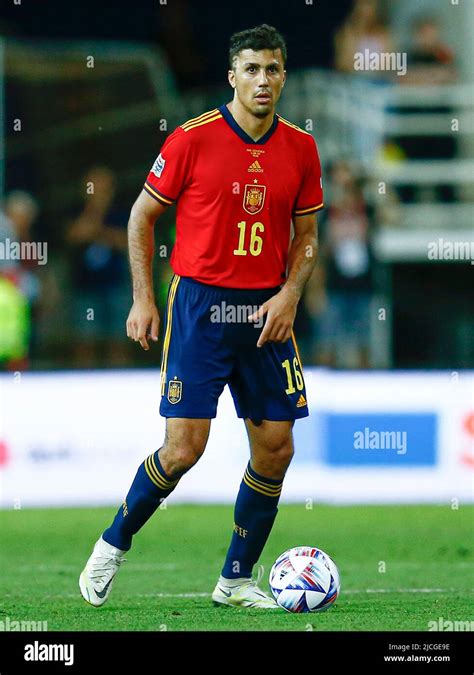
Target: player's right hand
{"x": 143, "y": 322}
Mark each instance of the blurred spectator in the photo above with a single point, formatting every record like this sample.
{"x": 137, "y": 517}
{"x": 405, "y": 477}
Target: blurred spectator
{"x": 340, "y": 292}
{"x": 430, "y": 60}
{"x": 430, "y": 63}
{"x": 14, "y": 310}
{"x": 362, "y": 30}
{"x": 14, "y": 326}
{"x": 101, "y": 296}
{"x": 358, "y": 46}
{"x": 22, "y": 210}
{"x": 385, "y": 206}
{"x": 7, "y": 232}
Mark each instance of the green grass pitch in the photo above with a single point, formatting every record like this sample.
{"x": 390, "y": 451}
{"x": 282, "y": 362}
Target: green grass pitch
{"x": 426, "y": 552}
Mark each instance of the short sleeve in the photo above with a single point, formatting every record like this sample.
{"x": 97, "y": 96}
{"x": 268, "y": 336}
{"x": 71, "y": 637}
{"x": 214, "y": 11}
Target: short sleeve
{"x": 310, "y": 196}
{"x": 170, "y": 172}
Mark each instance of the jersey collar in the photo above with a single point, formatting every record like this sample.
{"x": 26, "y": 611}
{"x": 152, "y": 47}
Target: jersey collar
{"x": 227, "y": 115}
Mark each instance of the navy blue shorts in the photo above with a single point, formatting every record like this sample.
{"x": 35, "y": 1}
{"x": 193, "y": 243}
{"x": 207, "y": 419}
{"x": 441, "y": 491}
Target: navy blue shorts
{"x": 208, "y": 343}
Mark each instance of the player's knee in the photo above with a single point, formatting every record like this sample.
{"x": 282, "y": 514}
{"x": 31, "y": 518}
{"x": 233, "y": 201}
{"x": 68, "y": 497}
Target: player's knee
{"x": 187, "y": 456}
{"x": 280, "y": 445}
{"x": 180, "y": 457}
{"x": 284, "y": 453}
{"x": 275, "y": 458}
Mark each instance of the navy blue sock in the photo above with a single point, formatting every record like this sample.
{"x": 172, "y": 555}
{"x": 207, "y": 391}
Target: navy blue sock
{"x": 150, "y": 487}
{"x": 254, "y": 515}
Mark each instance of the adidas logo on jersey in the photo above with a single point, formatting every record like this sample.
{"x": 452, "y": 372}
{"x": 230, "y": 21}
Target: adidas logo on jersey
{"x": 301, "y": 402}
{"x": 255, "y": 167}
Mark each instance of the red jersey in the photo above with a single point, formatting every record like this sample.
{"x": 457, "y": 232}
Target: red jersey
{"x": 235, "y": 197}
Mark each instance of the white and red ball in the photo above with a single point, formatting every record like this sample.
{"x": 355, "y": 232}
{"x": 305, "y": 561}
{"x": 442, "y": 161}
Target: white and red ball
{"x": 304, "y": 579}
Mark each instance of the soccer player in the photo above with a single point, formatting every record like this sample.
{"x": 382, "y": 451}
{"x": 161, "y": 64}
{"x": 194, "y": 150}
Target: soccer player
{"x": 240, "y": 175}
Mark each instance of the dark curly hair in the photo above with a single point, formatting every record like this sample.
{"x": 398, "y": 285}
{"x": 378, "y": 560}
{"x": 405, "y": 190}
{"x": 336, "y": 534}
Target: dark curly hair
{"x": 260, "y": 37}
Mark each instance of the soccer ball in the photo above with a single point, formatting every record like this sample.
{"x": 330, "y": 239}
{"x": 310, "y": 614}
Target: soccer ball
{"x": 304, "y": 579}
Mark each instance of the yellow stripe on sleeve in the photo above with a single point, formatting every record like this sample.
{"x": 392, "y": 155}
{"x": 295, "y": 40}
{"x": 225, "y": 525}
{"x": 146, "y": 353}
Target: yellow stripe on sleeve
{"x": 193, "y": 120}
{"x": 206, "y": 121}
{"x": 156, "y": 195}
{"x": 309, "y": 209}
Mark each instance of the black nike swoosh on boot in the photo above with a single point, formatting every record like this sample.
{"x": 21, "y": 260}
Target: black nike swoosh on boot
{"x": 227, "y": 593}
{"x": 101, "y": 594}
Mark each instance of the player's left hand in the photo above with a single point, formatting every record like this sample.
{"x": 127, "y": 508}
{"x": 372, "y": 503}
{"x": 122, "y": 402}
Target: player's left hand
{"x": 281, "y": 312}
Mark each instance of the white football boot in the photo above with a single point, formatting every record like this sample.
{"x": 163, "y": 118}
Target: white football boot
{"x": 242, "y": 592}
{"x": 98, "y": 575}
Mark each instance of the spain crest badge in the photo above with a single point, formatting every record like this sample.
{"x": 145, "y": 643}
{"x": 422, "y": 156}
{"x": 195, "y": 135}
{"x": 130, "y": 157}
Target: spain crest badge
{"x": 175, "y": 390}
{"x": 254, "y": 198}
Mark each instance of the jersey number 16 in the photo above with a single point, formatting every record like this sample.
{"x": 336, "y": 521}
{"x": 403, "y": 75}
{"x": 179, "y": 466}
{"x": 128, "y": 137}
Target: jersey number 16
{"x": 256, "y": 242}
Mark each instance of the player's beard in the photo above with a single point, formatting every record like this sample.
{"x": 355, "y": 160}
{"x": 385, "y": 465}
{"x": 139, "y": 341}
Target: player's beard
{"x": 259, "y": 110}
{"x": 261, "y": 114}
{"x": 262, "y": 110}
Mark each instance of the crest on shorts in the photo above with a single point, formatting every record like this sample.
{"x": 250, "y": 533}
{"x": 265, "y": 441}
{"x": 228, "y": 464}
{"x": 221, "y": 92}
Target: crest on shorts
{"x": 175, "y": 390}
{"x": 254, "y": 198}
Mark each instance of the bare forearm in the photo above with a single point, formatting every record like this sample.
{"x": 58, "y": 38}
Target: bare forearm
{"x": 281, "y": 308}
{"x": 140, "y": 251}
{"x": 301, "y": 261}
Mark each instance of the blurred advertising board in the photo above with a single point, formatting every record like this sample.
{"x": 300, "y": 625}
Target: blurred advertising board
{"x": 77, "y": 438}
